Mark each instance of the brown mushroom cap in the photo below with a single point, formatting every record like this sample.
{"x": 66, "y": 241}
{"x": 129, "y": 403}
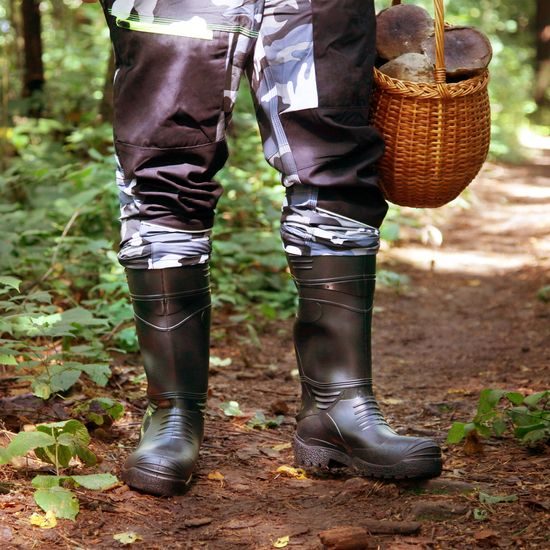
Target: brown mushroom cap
{"x": 402, "y": 29}
{"x": 467, "y": 51}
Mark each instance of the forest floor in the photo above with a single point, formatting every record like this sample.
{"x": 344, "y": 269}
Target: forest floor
{"x": 469, "y": 319}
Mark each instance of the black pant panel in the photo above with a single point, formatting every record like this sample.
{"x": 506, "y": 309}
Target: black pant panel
{"x": 344, "y": 42}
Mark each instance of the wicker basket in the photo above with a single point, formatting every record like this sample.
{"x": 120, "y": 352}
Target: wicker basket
{"x": 437, "y": 135}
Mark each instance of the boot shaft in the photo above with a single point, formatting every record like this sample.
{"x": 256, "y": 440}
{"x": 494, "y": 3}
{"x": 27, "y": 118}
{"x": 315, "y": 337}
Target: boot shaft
{"x": 172, "y": 314}
{"x": 332, "y": 332}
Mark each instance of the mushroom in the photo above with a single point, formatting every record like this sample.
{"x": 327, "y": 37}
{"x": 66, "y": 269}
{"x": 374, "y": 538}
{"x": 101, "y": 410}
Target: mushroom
{"x": 402, "y": 29}
{"x": 414, "y": 67}
{"x": 467, "y": 51}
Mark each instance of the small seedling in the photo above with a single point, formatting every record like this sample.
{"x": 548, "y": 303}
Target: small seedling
{"x": 59, "y": 443}
{"x": 100, "y": 411}
{"x": 260, "y": 422}
{"x": 231, "y": 408}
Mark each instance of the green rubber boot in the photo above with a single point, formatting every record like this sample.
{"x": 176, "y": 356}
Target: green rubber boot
{"x": 340, "y": 421}
{"x": 172, "y": 313}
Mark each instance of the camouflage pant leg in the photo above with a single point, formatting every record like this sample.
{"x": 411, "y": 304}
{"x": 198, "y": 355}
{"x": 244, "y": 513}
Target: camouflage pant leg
{"x": 179, "y": 63}
{"x": 312, "y": 78}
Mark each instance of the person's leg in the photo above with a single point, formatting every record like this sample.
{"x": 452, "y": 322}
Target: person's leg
{"x": 178, "y": 67}
{"x": 312, "y": 78}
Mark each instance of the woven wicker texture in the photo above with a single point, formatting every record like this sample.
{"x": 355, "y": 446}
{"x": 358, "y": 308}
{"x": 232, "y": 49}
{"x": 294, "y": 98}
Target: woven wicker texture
{"x": 437, "y": 135}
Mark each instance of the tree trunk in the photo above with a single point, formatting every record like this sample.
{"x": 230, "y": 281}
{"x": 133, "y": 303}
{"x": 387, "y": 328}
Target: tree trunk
{"x": 542, "y": 66}
{"x": 33, "y": 77}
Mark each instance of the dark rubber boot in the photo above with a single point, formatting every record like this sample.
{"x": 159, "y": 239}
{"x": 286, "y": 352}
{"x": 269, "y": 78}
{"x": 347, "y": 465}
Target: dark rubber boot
{"x": 340, "y": 421}
{"x": 172, "y": 313}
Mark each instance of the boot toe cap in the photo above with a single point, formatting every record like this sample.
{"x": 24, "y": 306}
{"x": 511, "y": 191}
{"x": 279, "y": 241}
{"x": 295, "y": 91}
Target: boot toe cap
{"x": 177, "y": 467}
{"x": 157, "y": 475}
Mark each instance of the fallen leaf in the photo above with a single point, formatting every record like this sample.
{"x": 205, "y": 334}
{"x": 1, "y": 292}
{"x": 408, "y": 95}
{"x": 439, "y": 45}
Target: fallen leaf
{"x": 47, "y": 521}
{"x": 11, "y": 506}
{"x": 281, "y": 542}
{"x": 197, "y": 522}
{"x": 268, "y": 451}
{"x": 485, "y": 498}
{"x": 392, "y": 401}
{"x": 297, "y": 473}
{"x": 216, "y": 476}
{"x": 27, "y": 463}
{"x": 485, "y": 534}
{"x": 247, "y": 452}
{"x": 281, "y": 447}
{"x": 128, "y": 537}
{"x": 279, "y": 407}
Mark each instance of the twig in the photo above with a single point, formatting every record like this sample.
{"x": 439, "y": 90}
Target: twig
{"x": 109, "y": 335}
{"x": 72, "y": 542}
{"x": 64, "y": 233}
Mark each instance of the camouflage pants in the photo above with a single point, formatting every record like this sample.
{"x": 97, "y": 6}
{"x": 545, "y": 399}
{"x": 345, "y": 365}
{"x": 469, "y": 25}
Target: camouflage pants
{"x": 179, "y": 63}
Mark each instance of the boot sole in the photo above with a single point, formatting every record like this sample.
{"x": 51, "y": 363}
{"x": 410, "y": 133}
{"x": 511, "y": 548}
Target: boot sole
{"x": 324, "y": 457}
{"x": 154, "y": 483}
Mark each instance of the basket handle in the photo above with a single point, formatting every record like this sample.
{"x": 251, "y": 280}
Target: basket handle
{"x": 439, "y": 10}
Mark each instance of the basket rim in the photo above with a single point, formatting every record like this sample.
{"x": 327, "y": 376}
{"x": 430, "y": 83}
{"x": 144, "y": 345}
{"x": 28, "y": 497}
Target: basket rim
{"x": 431, "y": 90}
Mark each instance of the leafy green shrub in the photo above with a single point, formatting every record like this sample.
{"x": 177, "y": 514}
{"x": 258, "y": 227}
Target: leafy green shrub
{"x": 499, "y": 411}
{"x": 68, "y": 301}
{"x": 248, "y": 264}
{"x": 54, "y": 346}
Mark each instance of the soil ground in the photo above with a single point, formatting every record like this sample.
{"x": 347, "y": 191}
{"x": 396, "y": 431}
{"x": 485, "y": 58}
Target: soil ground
{"x": 468, "y": 319}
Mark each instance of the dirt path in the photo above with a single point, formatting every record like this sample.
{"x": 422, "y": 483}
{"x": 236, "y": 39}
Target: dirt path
{"x": 469, "y": 319}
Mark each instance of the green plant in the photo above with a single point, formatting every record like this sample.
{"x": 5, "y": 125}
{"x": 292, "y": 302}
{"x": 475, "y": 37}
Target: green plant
{"x": 69, "y": 299}
{"x": 499, "y": 411}
{"x": 59, "y": 443}
{"x": 231, "y": 408}
{"x": 54, "y": 347}
{"x": 543, "y": 293}
{"x": 391, "y": 279}
{"x": 260, "y": 422}
{"x": 99, "y": 411}
{"x": 248, "y": 264}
